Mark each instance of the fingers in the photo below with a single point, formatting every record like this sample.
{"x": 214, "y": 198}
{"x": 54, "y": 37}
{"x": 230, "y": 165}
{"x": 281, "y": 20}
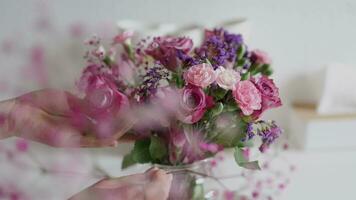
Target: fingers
{"x": 135, "y": 179}
{"x": 159, "y": 185}
{"x": 52, "y": 101}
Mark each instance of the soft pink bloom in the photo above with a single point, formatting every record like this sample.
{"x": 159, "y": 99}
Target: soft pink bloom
{"x": 185, "y": 146}
{"x": 122, "y": 37}
{"x": 248, "y": 97}
{"x": 210, "y": 147}
{"x": 165, "y": 49}
{"x": 269, "y": 93}
{"x": 22, "y": 145}
{"x": 103, "y": 96}
{"x": 261, "y": 57}
{"x": 229, "y": 195}
{"x": 127, "y": 70}
{"x": 103, "y": 103}
{"x": 227, "y": 78}
{"x": 193, "y": 104}
{"x": 201, "y": 75}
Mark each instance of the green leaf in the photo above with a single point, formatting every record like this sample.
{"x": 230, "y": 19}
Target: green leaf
{"x": 218, "y": 108}
{"x": 177, "y": 80}
{"x": 219, "y": 93}
{"x": 140, "y": 153}
{"x": 252, "y": 165}
{"x": 231, "y": 106}
{"x": 198, "y": 192}
{"x": 157, "y": 149}
{"x": 241, "y": 51}
{"x": 243, "y": 162}
{"x": 127, "y": 161}
{"x": 246, "y": 76}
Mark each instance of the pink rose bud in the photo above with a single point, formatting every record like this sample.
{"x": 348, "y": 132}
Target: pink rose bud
{"x": 201, "y": 75}
{"x": 261, "y": 57}
{"x": 122, "y": 37}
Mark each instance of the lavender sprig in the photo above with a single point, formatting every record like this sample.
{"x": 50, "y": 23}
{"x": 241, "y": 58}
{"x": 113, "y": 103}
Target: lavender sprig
{"x": 151, "y": 80}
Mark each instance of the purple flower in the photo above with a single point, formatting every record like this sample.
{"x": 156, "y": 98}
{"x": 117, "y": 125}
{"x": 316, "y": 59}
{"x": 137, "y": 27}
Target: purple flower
{"x": 151, "y": 79}
{"x": 267, "y": 130}
{"x": 165, "y": 50}
{"x": 219, "y": 47}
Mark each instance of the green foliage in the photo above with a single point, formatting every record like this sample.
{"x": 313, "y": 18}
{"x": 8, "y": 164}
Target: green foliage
{"x": 241, "y": 52}
{"x": 177, "y": 79}
{"x": 245, "y": 76}
{"x": 219, "y": 93}
{"x": 140, "y": 152}
{"x": 243, "y": 162}
{"x": 157, "y": 148}
{"x": 216, "y": 110}
{"x": 264, "y": 69}
{"x": 198, "y": 191}
{"x": 233, "y": 130}
{"x": 127, "y": 161}
{"x": 145, "y": 151}
{"x": 231, "y": 105}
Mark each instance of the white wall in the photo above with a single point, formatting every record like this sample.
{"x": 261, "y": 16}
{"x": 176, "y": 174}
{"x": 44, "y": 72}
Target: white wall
{"x": 300, "y": 35}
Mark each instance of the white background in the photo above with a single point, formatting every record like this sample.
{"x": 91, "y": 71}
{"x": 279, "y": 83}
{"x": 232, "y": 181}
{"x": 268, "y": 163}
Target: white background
{"x": 301, "y": 36}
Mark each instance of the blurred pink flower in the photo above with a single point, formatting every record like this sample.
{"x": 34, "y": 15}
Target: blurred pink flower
{"x": 247, "y": 96}
{"x": 201, "y": 75}
{"x": 22, "y": 145}
{"x": 193, "y": 104}
{"x": 210, "y": 147}
{"x": 122, "y": 37}
{"x": 269, "y": 93}
{"x": 261, "y": 57}
{"x": 227, "y": 78}
{"x": 188, "y": 146}
{"x": 103, "y": 103}
{"x": 164, "y": 49}
{"x": 229, "y": 195}
{"x": 103, "y": 95}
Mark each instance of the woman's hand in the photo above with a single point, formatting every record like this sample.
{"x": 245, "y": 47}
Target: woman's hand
{"x": 45, "y": 116}
{"x": 151, "y": 185}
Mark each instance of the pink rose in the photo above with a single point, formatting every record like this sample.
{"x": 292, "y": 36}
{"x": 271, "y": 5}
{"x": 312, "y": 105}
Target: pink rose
{"x": 107, "y": 106}
{"x": 269, "y": 93}
{"x": 103, "y": 96}
{"x": 122, "y": 37}
{"x": 193, "y": 104}
{"x": 247, "y": 96}
{"x": 260, "y": 57}
{"x": 227, "y": 78}
{"x": 103, "y": 104}
{"x": 201, "y": 75}
{"x": 164, "y": 49}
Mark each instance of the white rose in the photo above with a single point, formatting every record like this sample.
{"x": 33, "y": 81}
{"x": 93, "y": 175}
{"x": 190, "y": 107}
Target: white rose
{"x": 227, "y": 78}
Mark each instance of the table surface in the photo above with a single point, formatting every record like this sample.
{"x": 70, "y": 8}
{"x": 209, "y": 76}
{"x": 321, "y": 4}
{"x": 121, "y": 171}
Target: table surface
{"x": 318, "y": 175}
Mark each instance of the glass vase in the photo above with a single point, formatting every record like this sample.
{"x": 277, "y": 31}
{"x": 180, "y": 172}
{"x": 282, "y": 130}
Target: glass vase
{"x": 188, "y": 180}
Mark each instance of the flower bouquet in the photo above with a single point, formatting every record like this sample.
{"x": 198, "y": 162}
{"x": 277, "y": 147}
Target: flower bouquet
{"x": 181, "y": 103}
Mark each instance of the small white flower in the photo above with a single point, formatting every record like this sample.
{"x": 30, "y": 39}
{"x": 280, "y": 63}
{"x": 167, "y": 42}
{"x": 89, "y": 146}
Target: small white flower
{"x": 227, "y": 78}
